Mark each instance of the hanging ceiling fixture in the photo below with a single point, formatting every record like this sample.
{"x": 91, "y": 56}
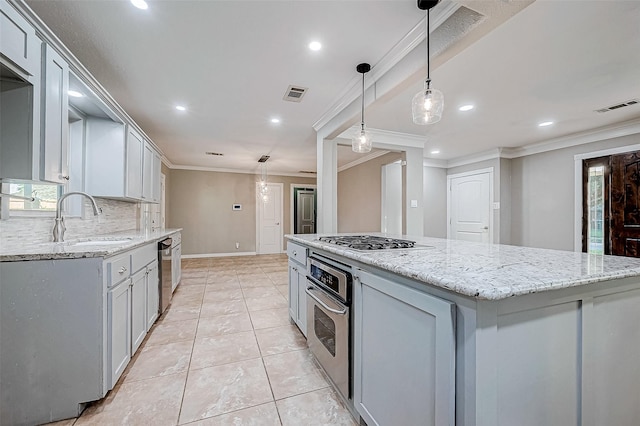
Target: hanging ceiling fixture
{"x": 361, "y": 141}
{"x": 427, "y": 104}
{"x": 263, "y": 188}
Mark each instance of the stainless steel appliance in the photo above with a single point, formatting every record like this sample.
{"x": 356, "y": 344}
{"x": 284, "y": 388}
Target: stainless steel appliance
{"x": 328, "y": 319}
{"x": 368, "y": 242}
{"x": 165, "y": 261}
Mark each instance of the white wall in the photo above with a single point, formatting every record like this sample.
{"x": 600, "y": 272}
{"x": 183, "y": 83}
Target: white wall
{"x": 435, "y": 202}
{"x": 542, "y": 195}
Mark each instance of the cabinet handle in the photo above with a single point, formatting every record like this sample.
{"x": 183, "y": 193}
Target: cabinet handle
{"x": 63, "y": 177}
{"x": 295, "y": 253}
{"x": 295, "y": 269}
{"x": 122, "y": 270}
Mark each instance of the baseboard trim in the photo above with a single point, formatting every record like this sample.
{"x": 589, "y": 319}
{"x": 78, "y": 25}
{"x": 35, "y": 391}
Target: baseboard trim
{"x": 204, "y": 255}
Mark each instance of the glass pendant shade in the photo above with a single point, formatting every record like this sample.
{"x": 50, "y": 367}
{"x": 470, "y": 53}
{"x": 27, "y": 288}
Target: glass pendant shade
{"x": 427, "y": 106}
{"x": 361, "y": 142}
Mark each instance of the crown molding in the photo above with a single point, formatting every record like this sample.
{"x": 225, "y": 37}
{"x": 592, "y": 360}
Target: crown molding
{"x": 364, "y": 159}
{"x": 240, "y": 171}
{"x": 431, "y": 162}
{"x": 409, "y": 42}
{"x": 388, "y": 137}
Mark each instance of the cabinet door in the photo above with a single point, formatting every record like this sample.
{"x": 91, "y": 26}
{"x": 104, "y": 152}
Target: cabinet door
{"x": 147, "y": 175}
{"x": 176, "y": 267}
{"x": 119, "y": 319}
{"x": 153, "y": 294}
{"x": 18, "y": 40}
{"x": 138, "y": 309}
{"x": 404, "y": 342}
{"x": 155, "y": 179}
{"x": 134, "y": 153}
{"x": 302, "y": 299}
{"x": 293, "y": 292}
{"x": 55, "y": 120}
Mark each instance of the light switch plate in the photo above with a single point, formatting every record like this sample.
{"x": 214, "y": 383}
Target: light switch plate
{"x": 414, "y": 203}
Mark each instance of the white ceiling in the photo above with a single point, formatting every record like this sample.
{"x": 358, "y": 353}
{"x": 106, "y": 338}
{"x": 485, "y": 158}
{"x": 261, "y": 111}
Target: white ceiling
{"x": 230, "y": 63}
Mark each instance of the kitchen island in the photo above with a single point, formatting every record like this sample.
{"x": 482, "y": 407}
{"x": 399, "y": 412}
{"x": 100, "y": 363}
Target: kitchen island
{"x": 458, "y": 333}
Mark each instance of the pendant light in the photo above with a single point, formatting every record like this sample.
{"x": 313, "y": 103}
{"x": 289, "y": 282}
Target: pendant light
{"x": 427, "y": 104}
{"x": 361, "y": 141}
{"x": 263, "y": 188}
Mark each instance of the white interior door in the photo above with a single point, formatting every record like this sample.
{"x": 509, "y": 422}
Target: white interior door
{"x": 392, "y": 199}
{"x": 269, "y": 218}
{"x": 469, "y": 200}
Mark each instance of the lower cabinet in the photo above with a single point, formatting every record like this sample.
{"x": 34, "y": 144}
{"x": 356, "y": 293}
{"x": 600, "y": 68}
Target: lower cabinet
{"x": 132, "y": 310}
{"x": 153, "y": 294}
{"x": 119, "y": 309}
{"x": 138, "y": 309}
{"x": 176, "y": 267}
{"x": 404, "y": 344}
{"x": 297, "y": 295}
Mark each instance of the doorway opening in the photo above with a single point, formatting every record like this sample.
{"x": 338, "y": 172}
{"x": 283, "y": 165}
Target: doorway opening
{"x": 304, "y": 206}
{"x": 611, "y": 204}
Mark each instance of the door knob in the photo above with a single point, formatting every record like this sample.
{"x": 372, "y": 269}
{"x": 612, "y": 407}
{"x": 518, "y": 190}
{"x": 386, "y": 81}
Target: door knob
{"x": 486, "y": 228}
{"x": 277, "y": 223}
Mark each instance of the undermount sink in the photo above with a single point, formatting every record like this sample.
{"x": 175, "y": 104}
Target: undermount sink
{"x": 99, "y": 242}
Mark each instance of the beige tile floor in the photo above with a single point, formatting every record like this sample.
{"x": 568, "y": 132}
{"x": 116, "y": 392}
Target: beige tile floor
{"x": 224, "y": 353}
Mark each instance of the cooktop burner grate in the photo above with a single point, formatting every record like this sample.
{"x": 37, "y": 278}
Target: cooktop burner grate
{"x": 368, "y": 242}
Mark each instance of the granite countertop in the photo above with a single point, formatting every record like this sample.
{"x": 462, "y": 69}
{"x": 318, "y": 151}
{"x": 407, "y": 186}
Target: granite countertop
{"x": 98, "y": 246}
{"x": 486, "y": 271}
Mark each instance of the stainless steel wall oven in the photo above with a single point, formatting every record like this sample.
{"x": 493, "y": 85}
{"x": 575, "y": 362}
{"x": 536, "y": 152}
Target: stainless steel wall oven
{"x": 328, "y": 318}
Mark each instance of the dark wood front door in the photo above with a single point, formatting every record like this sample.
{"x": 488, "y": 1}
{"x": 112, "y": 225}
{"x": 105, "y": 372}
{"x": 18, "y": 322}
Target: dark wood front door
{"x": 611, "y": 205}
{"x": 625, "y": 204}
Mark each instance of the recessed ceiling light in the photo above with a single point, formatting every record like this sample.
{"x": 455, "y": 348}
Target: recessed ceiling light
{"x": 435, "y": 151}
{"x": 275, "y": 120}
{"x": 181, "y": 108}
{"x": 75, "y": 94}
{"x": 545, "y": 124}
{"x": 140, "y": 4}
{"x": 466, "y": 108}
{"x": 315, "y": 45}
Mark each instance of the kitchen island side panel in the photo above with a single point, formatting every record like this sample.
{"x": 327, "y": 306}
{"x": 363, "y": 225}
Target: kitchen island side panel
{"x": 51, "y": 338}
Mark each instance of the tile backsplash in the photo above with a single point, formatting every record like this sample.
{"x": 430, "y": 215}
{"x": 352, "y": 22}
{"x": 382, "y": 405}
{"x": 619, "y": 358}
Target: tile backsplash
{"x": 117, "y": 216}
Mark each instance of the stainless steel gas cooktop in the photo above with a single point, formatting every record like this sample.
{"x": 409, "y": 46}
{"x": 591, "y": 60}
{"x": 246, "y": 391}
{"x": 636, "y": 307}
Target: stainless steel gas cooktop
{"x": 368, "y": 242}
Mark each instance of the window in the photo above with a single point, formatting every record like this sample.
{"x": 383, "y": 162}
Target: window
{"x": 44, "y": 197}
{"x": 596, "y": 206}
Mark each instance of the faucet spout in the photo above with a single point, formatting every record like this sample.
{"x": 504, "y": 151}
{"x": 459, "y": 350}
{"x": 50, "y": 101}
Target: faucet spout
{"x": 58, "y": 227}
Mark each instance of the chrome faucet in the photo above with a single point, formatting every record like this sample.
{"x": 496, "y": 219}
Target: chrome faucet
{"x": 59, "y": 228}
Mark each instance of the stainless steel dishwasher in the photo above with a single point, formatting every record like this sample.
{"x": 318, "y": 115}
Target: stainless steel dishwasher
{"x": 165, "y": 260}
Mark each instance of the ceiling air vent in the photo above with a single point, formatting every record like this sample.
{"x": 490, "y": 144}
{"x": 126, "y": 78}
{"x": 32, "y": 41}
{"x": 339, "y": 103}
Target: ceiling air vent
{"x": 217, "y": 154}
{"x": 264, "y": 159}
{"x": 618, "y": 106}
{"x": 294, "y": 93}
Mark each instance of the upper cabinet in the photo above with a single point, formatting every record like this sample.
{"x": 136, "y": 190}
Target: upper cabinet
{"x": 55, "y": 117}
{"x": 18, "y": 41}
{"x": 118, "y": 161}
{"x": 34, "y": 80}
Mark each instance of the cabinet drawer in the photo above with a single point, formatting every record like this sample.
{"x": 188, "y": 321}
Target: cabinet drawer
{"x": 118, "y": 268}
{"x": 297, "y": 252}
{"x": 142, "y": 256}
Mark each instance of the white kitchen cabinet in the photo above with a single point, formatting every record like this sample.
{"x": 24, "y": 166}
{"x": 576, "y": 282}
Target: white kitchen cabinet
{"x": 134, "y": 171}
{"x": 176, "y": 266}
{"x": 156, "y": 172}
{"x": 55, "y": 113}
{"x": 18, "y": 40}
{"x": 153, "y": 294}
{"x": 297, "y": 295}
{"x": 119, "y": 331}
{"x": 138, "y": 309}
{"x": 147, "y": 173}
{"x": 404, "y": 342}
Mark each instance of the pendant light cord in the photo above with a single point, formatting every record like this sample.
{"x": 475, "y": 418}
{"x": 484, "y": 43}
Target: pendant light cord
{"x": 428, "y": 52}
{"x": 362, "y": 114}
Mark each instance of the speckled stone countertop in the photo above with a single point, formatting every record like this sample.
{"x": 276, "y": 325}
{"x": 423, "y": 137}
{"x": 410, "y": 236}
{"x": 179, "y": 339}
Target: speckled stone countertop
{"x": 486, "y": 271}
{"x": 99, "y": 246}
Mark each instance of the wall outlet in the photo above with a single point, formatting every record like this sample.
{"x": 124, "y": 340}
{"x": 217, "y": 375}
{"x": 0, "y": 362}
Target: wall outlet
{"x": 237, "y": 246}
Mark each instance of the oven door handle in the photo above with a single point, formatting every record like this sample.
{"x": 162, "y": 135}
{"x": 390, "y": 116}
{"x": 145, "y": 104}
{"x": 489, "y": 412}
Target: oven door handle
{"x": 324, "y": 305}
